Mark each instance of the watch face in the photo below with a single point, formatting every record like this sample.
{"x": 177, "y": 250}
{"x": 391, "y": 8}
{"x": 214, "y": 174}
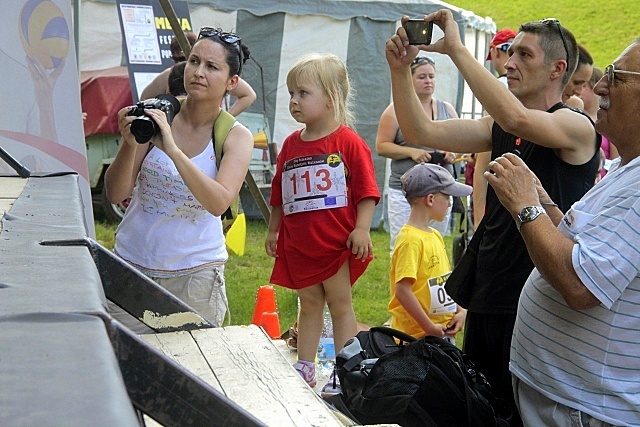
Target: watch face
{"x": 527, "y": 214}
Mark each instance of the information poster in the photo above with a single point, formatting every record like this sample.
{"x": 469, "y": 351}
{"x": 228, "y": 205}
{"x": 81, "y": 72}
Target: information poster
{"x": 139, "y": 25}
{"x": 147, "y": 34}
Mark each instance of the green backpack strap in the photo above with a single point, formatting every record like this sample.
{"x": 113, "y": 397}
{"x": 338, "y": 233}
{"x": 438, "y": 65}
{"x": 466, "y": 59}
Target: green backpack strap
{"x": 221, "y": 128}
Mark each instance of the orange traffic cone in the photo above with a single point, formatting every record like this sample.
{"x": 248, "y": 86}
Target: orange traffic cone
{"x": 265, "y": 303}
{"x": 270, "y": 322}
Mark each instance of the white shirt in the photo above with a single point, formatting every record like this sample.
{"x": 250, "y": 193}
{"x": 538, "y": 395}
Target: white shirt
{"x": 590, "y": 359}
{"x": 165, "y": 228}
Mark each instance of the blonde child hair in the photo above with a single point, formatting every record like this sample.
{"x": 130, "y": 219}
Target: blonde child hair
{"x": 330, "y": 74}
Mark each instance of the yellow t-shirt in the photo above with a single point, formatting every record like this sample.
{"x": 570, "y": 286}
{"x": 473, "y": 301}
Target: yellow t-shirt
{"x": 421, "y": 256}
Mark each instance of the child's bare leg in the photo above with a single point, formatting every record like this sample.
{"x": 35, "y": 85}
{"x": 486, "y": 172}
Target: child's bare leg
{"x": 310, "y": 321}
{"x": 338, "y": 294}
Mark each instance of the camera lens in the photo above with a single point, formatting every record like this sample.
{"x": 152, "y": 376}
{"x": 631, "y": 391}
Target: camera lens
{"x": 143, "y": 129}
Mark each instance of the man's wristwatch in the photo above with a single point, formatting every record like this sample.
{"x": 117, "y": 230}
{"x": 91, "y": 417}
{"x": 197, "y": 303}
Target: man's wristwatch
{"x": 528, "y": 214}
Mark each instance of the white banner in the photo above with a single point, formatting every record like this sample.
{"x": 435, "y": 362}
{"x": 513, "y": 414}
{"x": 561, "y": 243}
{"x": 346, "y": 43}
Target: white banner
{"x": 41, "y": 120}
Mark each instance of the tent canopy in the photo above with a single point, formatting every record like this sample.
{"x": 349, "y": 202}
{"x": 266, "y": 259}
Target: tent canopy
{"x": 279, "y": 33}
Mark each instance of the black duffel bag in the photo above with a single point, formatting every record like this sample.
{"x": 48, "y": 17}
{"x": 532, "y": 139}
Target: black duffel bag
{"x": 424, "y": 382}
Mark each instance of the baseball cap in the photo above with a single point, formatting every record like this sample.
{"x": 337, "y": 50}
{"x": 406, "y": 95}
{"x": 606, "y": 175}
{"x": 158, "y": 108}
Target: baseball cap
{"x": 503, "y": 36}
{"x": 428, "y": 178}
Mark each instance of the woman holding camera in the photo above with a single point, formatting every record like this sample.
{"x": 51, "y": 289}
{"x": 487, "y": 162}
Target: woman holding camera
{"x": 391, "y": 144}
{"x": 172, "y": 230}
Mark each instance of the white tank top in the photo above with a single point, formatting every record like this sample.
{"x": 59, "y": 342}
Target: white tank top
{"x": 165, "y": 229}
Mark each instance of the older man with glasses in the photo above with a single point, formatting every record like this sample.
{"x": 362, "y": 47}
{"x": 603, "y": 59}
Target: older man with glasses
{"x": 529, "y": 119}
{"x": 576, "y": 353}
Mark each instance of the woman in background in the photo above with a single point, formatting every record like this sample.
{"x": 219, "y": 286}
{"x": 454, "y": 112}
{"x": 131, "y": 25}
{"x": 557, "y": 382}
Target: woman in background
{"x": 391, "y": 144}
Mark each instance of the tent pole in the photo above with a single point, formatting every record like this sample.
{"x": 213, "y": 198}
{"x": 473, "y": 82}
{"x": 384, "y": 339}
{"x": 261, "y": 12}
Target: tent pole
{"x": 176, "y": 27}
{"x": 76, "y": 30}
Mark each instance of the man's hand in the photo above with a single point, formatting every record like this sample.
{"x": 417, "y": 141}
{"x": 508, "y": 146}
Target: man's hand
{"x": 398, "y": 51}
{"x": 451, "y": 40}
{"x": 400, "y": 54}
{"x": 513, "y": 182}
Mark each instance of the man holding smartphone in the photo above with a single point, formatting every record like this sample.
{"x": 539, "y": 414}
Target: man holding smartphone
{"x": 528, "y": 118}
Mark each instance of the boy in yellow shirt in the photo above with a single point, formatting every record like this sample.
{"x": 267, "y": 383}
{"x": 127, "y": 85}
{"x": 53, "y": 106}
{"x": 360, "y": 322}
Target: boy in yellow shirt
{"x": 419, "y": 265}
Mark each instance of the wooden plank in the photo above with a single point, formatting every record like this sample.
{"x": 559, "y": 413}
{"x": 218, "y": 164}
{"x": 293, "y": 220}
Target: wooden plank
{"x": 181, "y": 347}
{"x": 11, "y": 187}
{"x": 254, "y": 374}
{"x": 10, "y": 190}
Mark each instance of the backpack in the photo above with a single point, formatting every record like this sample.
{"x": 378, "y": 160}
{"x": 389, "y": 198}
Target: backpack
{"x": 424, "y": 382}
{"x": 221, "y": 128}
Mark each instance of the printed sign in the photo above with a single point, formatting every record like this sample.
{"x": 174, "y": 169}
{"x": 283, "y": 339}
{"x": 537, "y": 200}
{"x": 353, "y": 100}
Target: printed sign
{"x": 147, "y": 35}
{"x": 140, "y": 35}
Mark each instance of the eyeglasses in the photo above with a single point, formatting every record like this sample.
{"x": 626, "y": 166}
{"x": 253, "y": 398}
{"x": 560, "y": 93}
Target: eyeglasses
{"x": 228, "y": 38}
{"x": 611, "y": 71}
{"x": 420, "y": 59}
{"x": 564, "y": 41}
{"x": 503, "y": 47}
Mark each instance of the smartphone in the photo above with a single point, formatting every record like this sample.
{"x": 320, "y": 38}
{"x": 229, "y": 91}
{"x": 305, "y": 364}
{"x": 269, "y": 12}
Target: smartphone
{"x": 418, "y": 31}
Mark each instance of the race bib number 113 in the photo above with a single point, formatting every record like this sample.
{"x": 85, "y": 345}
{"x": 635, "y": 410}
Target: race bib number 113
{"x": 313, "y": 183}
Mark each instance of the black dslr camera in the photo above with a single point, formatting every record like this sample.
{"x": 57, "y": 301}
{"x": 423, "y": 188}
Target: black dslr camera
{"x": 144, "y": 128}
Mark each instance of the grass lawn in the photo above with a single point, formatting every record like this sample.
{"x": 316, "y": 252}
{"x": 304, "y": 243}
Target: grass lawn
{"x": 605, "y": 29}
{"x": 246, "y": 274}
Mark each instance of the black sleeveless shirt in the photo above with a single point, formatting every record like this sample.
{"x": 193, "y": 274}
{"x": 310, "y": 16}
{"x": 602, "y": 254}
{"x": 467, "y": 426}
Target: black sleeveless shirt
{"x": 503, "y": 261}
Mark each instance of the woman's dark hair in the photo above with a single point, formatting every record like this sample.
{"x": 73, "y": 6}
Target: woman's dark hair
{"x": 176, "y": 80}
{"x": 237, "y": 52}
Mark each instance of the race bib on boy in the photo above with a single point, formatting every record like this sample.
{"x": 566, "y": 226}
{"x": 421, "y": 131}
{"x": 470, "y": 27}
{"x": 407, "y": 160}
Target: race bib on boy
{"x": 441, "y": 302}
{"x": 314, "y": 183}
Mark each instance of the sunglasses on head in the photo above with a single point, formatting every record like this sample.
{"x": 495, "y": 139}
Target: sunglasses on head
{"x": 554, "y": 21}
{"x": 229, "y": 38}
{"x": 420, "y": 59}
{"x": 611, "y": 71}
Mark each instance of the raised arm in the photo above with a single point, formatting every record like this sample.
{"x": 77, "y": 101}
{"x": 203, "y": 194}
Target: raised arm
{"x": 245, "y": 96}
{"x": 456, "y": 135}
{"x": 564, "y": 130}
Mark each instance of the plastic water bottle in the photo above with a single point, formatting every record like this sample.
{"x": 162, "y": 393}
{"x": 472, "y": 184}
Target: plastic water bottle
{"x": 326, "y": 348}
